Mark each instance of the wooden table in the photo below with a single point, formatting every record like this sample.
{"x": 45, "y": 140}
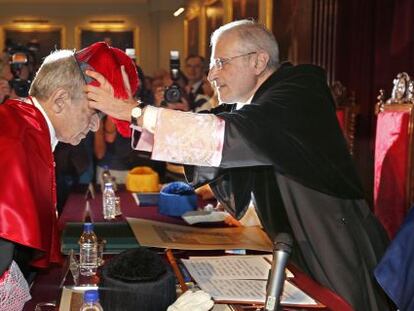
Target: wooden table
{"x": 46, "y": 285}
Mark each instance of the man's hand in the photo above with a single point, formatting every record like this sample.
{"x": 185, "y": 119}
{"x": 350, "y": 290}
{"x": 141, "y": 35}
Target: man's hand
{"x": 192, "y": 301}
{"x": 102, "y": 98}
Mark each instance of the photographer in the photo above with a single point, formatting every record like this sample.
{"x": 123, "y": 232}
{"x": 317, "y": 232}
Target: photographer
{"x": 22, "y": 62}
{"x": 159, "y": 96}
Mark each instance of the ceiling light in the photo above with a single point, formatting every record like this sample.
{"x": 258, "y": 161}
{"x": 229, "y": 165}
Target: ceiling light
{"x": 178, "y": 12}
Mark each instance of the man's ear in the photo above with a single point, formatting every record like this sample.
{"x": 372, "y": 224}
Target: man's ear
{"x": 60, "y": 99}
{"x": 261, "y": 62}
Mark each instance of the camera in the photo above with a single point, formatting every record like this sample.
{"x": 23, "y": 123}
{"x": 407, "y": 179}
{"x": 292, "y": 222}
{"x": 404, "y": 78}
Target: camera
{"x": 173, "y": 93}
{"x": 20, "y": 66}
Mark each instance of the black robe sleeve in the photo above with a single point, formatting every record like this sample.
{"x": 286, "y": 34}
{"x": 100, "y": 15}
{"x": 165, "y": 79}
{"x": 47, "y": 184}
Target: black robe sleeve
{"x": 291, "y": 126}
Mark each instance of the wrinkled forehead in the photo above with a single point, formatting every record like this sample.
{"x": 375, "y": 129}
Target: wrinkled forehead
{"x": 226, "y": 45}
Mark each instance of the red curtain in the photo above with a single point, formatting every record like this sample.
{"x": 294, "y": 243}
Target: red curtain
{"x": 375, "y": 41}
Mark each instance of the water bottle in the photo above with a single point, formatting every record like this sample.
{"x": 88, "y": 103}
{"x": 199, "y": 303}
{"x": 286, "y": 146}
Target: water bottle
{"x": 106, "y": 175}
{"x": 91, "y": 301}
{"x": 88, "y": 251}
{"x": 108, "y": 201}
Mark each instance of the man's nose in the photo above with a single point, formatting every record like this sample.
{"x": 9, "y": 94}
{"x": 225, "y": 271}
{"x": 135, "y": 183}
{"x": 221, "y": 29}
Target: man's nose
{"x": 212, "y": 74}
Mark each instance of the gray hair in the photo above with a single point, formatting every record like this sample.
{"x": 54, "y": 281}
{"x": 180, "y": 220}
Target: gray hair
{"x": 58, "y": 70}
{"x": 253, "y": 37}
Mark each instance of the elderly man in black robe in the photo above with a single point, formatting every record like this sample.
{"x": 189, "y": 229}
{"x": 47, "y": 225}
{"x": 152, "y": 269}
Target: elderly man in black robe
{"x": 279, "y": 144}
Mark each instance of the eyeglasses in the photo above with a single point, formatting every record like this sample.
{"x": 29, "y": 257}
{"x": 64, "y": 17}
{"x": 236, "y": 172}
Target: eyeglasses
{"x": 218, "y": 63}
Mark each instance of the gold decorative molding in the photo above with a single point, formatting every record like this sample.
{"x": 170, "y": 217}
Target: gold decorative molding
{"x": 108, "y": 27}
{"x": 30, "y": 26}
{"x": 266, "y": 13}
{"x": 203, "y": 40}
{"x": 228, "y": 11}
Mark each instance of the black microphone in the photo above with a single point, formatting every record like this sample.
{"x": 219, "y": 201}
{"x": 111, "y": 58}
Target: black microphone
{"x": 282, "y": 247}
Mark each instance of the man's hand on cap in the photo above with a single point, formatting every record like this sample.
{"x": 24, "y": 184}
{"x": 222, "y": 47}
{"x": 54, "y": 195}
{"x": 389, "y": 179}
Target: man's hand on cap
{"x": 192, "y": 301}
{"x": 102, "y": 97}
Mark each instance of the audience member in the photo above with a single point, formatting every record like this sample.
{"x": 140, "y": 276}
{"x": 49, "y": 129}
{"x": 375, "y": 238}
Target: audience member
{"x": 113, "y": 152}
{"x": 5, "y": 77}
{"x": 74, "y": 168}
{"x": 198, "y": 88}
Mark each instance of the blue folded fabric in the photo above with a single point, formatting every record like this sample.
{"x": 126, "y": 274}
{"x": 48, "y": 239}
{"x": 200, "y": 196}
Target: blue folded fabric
{"x": 395, "y": 272}
{"x": 177, "y": 198}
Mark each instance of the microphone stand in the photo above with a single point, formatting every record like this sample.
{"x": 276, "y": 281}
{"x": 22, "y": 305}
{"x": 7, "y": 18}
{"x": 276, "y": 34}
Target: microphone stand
{"x": 282, "y": 247}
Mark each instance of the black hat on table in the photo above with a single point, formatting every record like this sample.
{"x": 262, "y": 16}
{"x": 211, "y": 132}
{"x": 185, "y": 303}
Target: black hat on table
{"x": 137, "y": 279}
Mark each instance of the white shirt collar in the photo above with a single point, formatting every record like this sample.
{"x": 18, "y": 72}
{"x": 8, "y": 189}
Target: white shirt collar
{"x": 53, "y": 138}
{"x": 196, "y": 85}
{"x": 239, "y": 105}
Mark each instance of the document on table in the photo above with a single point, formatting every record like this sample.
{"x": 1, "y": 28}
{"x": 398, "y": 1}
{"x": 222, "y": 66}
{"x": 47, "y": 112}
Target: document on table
{"x": 241, "y": 279}
{"x": 158, "y": 234}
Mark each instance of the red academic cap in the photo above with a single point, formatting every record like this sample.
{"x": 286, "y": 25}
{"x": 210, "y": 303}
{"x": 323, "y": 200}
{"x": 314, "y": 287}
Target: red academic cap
{"x": 107, "y": 60}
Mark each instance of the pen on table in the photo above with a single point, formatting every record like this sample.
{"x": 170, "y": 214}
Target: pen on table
{"x": 176, "y": 270}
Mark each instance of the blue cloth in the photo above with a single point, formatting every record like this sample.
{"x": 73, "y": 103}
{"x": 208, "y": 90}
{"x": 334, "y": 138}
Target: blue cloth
{"x": 395, "y": 272}
{"x": 177, "y": 198}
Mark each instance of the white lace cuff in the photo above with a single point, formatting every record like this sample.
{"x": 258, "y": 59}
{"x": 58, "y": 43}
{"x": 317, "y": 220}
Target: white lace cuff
{"x": 188, "y": 138}
{"x": 14, "y": 290}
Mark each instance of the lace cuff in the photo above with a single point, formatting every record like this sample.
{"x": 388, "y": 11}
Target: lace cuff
{"x": 188, "y": 138}
{"x": 14, "y": 290}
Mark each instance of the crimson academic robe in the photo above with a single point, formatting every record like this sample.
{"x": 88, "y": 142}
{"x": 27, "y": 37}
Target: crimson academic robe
{"x": 287, "y": 149}
{"x": 27, "y": 183}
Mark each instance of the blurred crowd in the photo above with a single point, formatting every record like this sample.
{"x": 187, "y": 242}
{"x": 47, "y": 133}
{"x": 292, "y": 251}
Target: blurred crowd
{"x": 77, "y": 166}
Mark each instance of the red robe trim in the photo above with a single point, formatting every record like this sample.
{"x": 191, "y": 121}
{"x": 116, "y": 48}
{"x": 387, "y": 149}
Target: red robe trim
{"x": 27, "y": 182}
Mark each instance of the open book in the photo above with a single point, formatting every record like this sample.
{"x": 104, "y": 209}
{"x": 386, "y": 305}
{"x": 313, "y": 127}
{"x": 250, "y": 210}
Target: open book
{"x": 242, "y": 279}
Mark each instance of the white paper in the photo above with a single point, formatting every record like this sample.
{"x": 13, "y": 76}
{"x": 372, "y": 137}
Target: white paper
{"x": 240, "y": 279}
{"x": 228, "y": 267}
{"x": 193, "y": 217}
{"x": 232, "y": 267}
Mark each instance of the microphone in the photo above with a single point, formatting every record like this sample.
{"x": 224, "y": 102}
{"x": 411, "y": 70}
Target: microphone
{"x": 282, "y": 247}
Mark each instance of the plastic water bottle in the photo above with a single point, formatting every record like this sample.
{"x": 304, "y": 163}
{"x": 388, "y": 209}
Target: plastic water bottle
{"x": 88, "y": 251}
{"x": 106, "y": 175}
{"x": 108, "y": 201}
{"x": 91, "y": 301}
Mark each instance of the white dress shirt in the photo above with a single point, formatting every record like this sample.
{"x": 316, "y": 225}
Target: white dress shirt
{"x": 53, "y": 138}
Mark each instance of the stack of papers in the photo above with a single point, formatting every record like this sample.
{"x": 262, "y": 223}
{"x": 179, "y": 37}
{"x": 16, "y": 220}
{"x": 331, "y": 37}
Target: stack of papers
{"x": 241, "y": 279}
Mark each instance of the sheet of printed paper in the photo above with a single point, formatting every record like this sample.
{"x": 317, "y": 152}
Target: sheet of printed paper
{"x": 240, "y": 279}
{"x": 254, "y": 267}
{"x": 158, "y": 234}
{"x": 252, "y": 291}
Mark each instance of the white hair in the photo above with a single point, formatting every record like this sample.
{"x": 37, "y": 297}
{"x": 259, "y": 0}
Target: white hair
{"x": 253, "y": 37}
{"x": 59, "y": 69}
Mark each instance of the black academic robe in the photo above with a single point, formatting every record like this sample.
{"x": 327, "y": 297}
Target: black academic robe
{"x": 287, "y": 150}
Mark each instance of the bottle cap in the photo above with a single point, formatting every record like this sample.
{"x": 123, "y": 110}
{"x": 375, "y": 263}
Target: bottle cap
{"x": 87, "y": 226}
{"x": 91, "y": 296}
